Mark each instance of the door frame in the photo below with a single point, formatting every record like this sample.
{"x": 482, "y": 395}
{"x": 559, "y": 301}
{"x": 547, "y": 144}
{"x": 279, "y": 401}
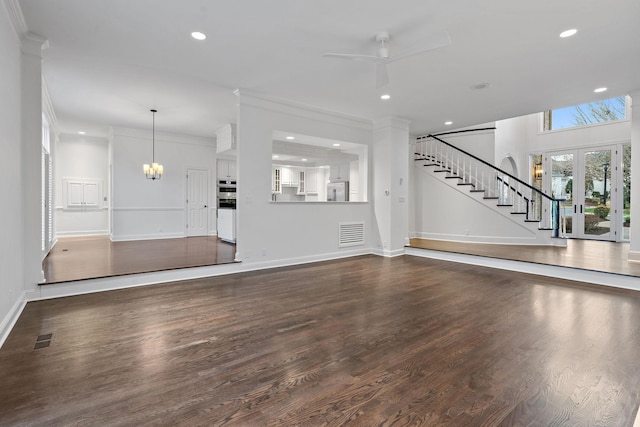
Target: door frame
{"x": 578, "y": 196}
{"x": 207, "y": 204}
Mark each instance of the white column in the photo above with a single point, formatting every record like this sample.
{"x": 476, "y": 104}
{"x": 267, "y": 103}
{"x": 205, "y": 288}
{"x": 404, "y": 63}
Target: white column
{"x": 31, "y": 114}
{"x": 634, "y": 248}
{"x": 391, "y": 183}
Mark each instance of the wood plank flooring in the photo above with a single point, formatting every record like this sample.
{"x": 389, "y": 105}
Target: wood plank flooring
{"x": 608, "y": 257}
{"x": 365, "y": 341}
{"x": 90, "y": 257}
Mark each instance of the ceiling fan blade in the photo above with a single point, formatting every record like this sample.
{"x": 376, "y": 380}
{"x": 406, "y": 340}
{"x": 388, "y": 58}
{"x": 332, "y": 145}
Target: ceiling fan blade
{"x": 382, "y": 75}
{"x": 431, "y": 42}
{"x": 354, "y": 56}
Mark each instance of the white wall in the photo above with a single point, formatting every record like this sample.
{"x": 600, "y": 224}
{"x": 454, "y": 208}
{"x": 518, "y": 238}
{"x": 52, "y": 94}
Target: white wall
{"x": 444, "y": 211}
{"x": 11, "y": 245}
{"x": 81, "y": 157}
{"x": 147, "y": 209}
{"x": 521, "y": 136}
{"x": 480, "y": 143}
{"x": 438, "y": 211}
{"x": 291, "y": 232}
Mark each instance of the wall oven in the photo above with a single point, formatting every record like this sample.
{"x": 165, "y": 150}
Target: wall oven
{"x": 226, "y": 194}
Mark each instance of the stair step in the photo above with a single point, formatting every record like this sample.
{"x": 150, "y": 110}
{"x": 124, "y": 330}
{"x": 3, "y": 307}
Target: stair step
{"x": 431, "y": 164}
{"x": 506, "y": 206}
{"x": 548, "y": 229}
{"x": 531, "y": 220}
{"x": 477, "y": 191}
{"x": 468, "y": 183}
{"x": 453, "y": 177}
{"x": 442, "y": 170}
{"x": 518, "y": 213}
{"x": 490, "y": 198}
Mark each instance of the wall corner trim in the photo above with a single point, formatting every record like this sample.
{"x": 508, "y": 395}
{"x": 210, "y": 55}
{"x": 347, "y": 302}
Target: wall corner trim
{"x": 11, "y": 318}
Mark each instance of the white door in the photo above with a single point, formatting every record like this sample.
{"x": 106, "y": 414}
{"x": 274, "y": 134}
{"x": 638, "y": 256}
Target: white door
{"x": 197, "y": 202}
{"x": 587, "y": 180}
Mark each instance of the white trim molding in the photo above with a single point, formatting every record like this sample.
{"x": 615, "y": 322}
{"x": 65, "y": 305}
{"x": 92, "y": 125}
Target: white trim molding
{"x": 11, "y": 318}
{"x": 14, "y": 11}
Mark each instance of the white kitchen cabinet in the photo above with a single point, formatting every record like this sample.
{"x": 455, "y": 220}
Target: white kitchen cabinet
{"x": 290, "y": 177}
{"x": 311, "y": 180}
{"x": 302, "y": 189}
{"x": 227, "y": 170}
{"x": 276, "y": 179}
{"x": 339, "y": 172}
{"x": 82, "y": 193}
{"x": 227, "y": 225}
{"x": 225, "y": 138}
{"x": 354, "y": 182}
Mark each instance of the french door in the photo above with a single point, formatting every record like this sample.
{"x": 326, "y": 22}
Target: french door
{"x": 587, "y": 181}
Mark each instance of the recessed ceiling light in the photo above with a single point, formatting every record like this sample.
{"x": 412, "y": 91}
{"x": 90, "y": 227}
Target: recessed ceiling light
{"x": 385, "y": 96}
{"x": 600, "y": 89}
{"x": 448, "y": 123}
{"x": 291, "y": 137}
{"x": 568, "y": 33}
{"x": 480, "y": 86}
{"x": 336, "y": 145}
{"x": 304, "y": 160}
{"x": 81, "y": 132}
{"x": 198, "y": 35}
{"x": 275, "y": 156}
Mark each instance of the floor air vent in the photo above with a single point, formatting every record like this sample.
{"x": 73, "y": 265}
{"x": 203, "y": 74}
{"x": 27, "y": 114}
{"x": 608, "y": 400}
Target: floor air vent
{"x": 350, "y": 234}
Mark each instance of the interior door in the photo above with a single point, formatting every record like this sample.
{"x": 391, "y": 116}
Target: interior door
{"x": 197, "y": 202}
{"x": 586, "y": 180}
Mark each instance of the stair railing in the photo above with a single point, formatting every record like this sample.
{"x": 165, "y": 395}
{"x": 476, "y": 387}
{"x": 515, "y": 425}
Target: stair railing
{"x": 483, "y": 177}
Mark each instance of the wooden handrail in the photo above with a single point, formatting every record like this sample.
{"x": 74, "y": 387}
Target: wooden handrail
{"x": 487, "y": 163}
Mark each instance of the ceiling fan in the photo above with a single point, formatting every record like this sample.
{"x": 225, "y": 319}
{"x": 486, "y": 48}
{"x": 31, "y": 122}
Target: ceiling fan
{"x": 382, "y": 57}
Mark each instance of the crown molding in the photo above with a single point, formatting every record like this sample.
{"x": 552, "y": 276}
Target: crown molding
{"x": 30, "y": 43}
{"x": 391, "y": 122}
{"x": 287, "y": 106}
{"x": 33, "y": 44}
{"x": 16, "y": 17}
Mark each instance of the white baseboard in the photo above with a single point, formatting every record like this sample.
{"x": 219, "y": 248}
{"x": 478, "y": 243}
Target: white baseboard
{"x": 460, "y": 238}
{"x": 82, "y": 233}
{"x": 131, "y": 237}
{"x": 567, "y": 273}
{"x": 11, "y": 318}
{"x": 81, "y": 287}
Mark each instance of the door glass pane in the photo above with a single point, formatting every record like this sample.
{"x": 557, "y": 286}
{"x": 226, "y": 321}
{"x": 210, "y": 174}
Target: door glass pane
{"x": 562, "y": 188}
{"x": 626, "y": 191}
{"x": 597, "y": 193}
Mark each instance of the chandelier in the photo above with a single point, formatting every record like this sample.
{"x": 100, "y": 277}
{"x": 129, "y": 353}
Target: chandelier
{"x": 155, "y": 170}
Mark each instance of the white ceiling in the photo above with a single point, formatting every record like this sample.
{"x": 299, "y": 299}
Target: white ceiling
{"x": 109, "y": 62}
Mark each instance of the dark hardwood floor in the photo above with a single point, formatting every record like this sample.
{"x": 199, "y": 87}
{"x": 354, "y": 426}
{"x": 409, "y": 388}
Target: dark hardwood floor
{"x": 90, "y": 257}
{"x": 365, "y": 341}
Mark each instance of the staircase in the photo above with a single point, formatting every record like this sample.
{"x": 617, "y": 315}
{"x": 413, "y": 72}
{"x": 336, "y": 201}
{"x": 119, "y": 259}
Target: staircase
{"x": 491, "y": 185}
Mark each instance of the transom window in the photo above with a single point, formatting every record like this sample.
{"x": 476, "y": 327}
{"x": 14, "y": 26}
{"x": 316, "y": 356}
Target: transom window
{"x": 605, "y": 110}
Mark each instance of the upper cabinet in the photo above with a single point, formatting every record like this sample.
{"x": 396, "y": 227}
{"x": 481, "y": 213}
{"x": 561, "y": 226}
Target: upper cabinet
{"x": 226, "y": 138}
{"x": 82, "y": 193}
{"x": 276, "y": 179}
{"x": 227, "y": 170}
{"x": 290, "y": 177}
{"x": 339, "y": 172}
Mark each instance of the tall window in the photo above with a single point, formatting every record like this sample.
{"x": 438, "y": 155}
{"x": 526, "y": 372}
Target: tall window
{"x": 586, "y": 114}
{"x": 46, "y": 189}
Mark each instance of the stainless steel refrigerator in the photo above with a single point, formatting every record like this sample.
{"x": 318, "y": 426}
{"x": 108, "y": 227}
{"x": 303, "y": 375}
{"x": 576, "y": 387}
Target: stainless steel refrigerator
{"x": 338, "y": 192}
